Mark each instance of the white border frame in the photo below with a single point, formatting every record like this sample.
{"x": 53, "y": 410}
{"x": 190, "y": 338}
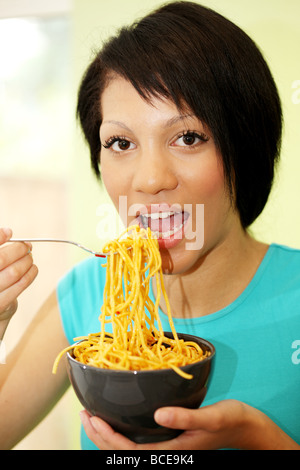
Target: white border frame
{"x": 25, "y": 8}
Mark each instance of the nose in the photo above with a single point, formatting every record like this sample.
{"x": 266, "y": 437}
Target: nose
{"x": 154, "y": 172}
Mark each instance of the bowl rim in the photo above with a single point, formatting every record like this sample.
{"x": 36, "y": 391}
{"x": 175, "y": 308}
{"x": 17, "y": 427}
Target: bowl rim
{"x": 148, "y": 371}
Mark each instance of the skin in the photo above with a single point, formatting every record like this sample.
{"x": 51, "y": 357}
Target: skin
{"x": 17, "y": 273}
{"x": 23, "y": 379}
{"x": 157, "y": 167}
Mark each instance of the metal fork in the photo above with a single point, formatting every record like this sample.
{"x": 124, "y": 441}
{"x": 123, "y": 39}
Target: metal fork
{"x": 100, "y": 255}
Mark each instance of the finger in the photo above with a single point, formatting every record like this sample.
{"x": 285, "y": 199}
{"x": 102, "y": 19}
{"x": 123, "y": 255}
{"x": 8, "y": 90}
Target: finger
{"x": 13, "y": 252}
{"x": 106, "y": 438}
{"x": 102, "y": 435}
{"x": 10, "y": 294}
{"x": 15, "y": 271}
{"x": 5, "y": 235}
{"x": 184, "y": 418}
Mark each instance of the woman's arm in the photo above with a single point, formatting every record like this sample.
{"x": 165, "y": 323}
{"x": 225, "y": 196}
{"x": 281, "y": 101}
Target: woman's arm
{"x": 17, "y": 272}
{"x": 28, "y": 389}
{"x": 226, "y": 424}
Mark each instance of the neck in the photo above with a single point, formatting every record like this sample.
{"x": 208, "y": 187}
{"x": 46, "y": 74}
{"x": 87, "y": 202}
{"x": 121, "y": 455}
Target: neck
{"x": 220, "y": 276}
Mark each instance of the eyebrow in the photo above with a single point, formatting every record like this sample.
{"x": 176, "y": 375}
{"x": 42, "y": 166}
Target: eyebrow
{"x": 118, "y": 123}
{"x": 180, "y": 117}
{"x": 171, "y": 122}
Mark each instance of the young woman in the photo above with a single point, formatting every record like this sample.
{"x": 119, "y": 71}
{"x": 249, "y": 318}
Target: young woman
{"x": 180, "y": 111}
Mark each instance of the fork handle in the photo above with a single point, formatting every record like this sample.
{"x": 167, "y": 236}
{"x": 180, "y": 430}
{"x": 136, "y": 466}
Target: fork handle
{"x": 100, "y": 255}
{"x": 40, "y": 240}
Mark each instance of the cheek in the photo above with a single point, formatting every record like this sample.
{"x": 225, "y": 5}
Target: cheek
{"x": 112, "y": 183}
{"x": 210, "y": 190}
{"x": 212, "y": 182}
{"x": 207, "y": 185}
{"x": 118, "y": 189}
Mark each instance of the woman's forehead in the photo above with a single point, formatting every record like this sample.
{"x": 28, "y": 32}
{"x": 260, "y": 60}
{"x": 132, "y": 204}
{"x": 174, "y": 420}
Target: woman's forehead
{"x": 120, "y": 96}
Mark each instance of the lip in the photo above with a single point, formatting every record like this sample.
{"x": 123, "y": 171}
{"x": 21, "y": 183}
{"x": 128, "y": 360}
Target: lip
{"x": 171, "y": 240}
{"x": 157, "y": 208}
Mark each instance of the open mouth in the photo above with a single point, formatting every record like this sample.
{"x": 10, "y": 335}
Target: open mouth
{"x": 164, "y": 224}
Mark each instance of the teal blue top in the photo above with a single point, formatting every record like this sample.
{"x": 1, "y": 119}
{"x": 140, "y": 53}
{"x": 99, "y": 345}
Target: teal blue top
{"x": 257, "y": 337}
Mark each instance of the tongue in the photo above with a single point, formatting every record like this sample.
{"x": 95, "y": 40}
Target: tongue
{"x": 167, "y": 224}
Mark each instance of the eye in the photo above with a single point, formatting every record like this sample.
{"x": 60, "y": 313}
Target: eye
{"x": 189, "y": 139}
{"x": 118, "y": 144}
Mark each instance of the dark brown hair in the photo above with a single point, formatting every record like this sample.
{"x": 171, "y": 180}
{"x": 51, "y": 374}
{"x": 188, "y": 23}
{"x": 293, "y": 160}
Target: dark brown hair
{"x": 199, "y": 59}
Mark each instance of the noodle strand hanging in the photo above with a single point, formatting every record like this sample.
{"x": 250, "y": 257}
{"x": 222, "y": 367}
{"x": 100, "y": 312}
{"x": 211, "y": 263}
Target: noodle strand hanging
{"x": 137, "y": 341}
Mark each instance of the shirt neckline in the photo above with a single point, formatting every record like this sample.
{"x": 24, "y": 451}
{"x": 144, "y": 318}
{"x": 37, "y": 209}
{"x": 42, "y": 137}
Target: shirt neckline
{"x": 233, "y": 305}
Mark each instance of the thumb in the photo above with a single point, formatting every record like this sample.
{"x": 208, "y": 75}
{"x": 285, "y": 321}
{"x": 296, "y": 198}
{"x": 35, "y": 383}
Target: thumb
{"x": 212, "y": 418}
{"x": 183, "y": 418}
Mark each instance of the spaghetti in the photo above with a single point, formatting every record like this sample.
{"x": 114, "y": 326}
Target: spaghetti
{"x": 137, "y": 341}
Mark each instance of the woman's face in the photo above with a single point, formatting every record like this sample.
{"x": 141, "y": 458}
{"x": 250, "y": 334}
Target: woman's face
{"x": 161, "y": 169}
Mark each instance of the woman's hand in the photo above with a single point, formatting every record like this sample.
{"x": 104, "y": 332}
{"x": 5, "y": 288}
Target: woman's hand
{"x": 17, "y": 272}
{"x": 226, "y": 424}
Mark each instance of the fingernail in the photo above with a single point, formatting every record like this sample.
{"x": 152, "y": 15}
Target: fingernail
{"x": 86, "y": 419}
{"x": 162, "y": 417}
{"x": 83, "y": 417}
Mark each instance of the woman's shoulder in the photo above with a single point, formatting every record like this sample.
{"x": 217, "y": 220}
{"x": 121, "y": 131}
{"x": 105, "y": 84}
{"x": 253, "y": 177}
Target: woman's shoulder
{"x": 282, "y": 267}
{"x": 285, "y": 255}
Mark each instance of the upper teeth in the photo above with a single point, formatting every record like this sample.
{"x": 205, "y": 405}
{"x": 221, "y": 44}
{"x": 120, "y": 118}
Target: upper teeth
{"x": 159, "y": 215}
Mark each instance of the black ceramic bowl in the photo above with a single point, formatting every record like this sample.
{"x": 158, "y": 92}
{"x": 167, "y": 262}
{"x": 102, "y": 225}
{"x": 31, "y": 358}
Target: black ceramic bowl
{"x": 127, "y": 400}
